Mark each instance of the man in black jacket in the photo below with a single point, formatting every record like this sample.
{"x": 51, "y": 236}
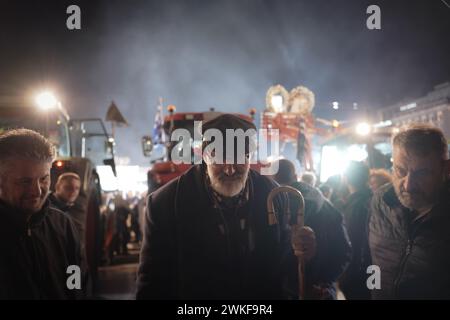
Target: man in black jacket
{"x": 333, "y": 248}
{"x": 37, "y": 242}
{"x": 356, "y": 216}
{"x": 208, "y": 236}
{"x": 409, "y": 226}
{"x": 64, "y": 198}
{"x": 67, "y": 189}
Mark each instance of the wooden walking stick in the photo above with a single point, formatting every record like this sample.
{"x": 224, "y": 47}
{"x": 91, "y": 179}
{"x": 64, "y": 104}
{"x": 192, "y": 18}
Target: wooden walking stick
{"x": 300, "y": 223}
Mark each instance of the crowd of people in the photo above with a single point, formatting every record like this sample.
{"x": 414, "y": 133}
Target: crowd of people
{"x": 122, "y": 222}
{"x": 209, "y": 233}
{"x": 223, "y": 245}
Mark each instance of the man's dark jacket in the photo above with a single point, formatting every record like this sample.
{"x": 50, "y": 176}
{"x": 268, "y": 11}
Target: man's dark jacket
{"x": 414, "y": 256}
{"x": 192, "y": 250}
{"x": 333, "y": 250}
{"x": 356, "y": 217}
{"x": 76, "y": 211}
{"x": 58, "y": 204}
{"x": 77, "y": 214}
{"x": 34, "y": 256}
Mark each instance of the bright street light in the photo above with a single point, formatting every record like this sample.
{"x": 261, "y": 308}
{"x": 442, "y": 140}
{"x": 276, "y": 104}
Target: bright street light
{"x": 46, "y": 100}
{"x": 335, "y": 105}
{"x": 363, "y": 129}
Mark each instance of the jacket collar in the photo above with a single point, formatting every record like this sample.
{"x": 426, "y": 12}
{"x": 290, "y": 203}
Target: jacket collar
{"x": 56, "y": 202}
{"x": 17, "y": 220}
{"x": 441, "y": 207}
{"x": 390, "y": 197}
{"x": 220, "y": 201}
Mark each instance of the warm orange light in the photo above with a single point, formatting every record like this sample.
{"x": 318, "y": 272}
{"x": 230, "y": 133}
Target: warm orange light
{"x": 59, "y": 164}
{"x": 171, "y": 108}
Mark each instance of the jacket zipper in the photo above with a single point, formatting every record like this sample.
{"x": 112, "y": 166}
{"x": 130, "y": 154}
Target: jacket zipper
{"x": 40, "y": 274}
{"x": 28, "y": 227}
{"x": 226, "y": 230}
{"x": 411, "y": 236}
{"x": 402, "y": 265}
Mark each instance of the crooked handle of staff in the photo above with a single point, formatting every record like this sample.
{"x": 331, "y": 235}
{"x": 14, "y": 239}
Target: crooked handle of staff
{"x": 272, "y": 219}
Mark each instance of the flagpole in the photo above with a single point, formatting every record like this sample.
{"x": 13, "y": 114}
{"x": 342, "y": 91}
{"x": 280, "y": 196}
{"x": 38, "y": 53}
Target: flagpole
{"x": 113, "y": 129}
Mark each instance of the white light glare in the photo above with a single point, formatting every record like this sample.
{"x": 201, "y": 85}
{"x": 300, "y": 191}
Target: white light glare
{"x": 277, "y": 103}
{"x": 363, "y": 129}
{"x": 46, "y": 100}
{"x": 335, "y": 105}
{"x": 335, "y": 160}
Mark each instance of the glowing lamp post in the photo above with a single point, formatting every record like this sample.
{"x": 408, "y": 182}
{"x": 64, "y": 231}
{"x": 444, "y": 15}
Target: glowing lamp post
{"x": 46, "y": 101}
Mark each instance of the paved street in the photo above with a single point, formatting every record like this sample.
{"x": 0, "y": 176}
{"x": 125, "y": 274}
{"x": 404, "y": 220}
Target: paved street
{"x": 118, "y": 281}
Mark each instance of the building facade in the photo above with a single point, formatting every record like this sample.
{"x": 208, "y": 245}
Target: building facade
{"x": 433, "y": 108}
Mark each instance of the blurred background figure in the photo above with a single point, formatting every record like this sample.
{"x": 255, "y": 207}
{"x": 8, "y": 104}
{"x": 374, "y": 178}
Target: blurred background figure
{"x": 110, "y": 237}
{"x": 356, "y": 212}
{"x": 141, "y": 207}
{"x": 117, "y": 277}
{"x": 379, "y": 177}
{"x": 64, "y": 198}
{"x": 339, "y": 191}
{"x": 134, "y": 201}
{"x": 309, "y": 178}
{"x": 122, "y": 232}
{"x": 117, "y": 234}
{"x": 67, "y": 189}
{"x": 326, "y": 191}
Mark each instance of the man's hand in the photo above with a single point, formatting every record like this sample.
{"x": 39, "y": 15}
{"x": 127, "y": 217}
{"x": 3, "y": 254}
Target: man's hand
{"x": 304, "y": 242}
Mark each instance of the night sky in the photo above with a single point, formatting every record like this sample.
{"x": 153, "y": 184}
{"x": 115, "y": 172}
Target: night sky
{"x": 223, "y": 54}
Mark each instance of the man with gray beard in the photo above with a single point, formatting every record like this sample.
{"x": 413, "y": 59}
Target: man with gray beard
{"x": 409, "y": 226}
{"x": 207, "y": 234}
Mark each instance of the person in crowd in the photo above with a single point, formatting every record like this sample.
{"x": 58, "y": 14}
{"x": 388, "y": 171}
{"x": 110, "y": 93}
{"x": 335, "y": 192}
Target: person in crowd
{"x": 207, "y": 233}
{"x": 309, "y": 178}
{"x": 326, "y": 190}
{"x": 135, "y": 223}
{"x": 122, "y": 235}
{"x": 339, "y": 191}
{"x": 67, "y": 191}
{"x": 409, "y": 225}
{"x": 378, "y": 178}
{"x": 110, "y": 233}
{"x": 37, "y": 241}
{"x": 356, "y": 213}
